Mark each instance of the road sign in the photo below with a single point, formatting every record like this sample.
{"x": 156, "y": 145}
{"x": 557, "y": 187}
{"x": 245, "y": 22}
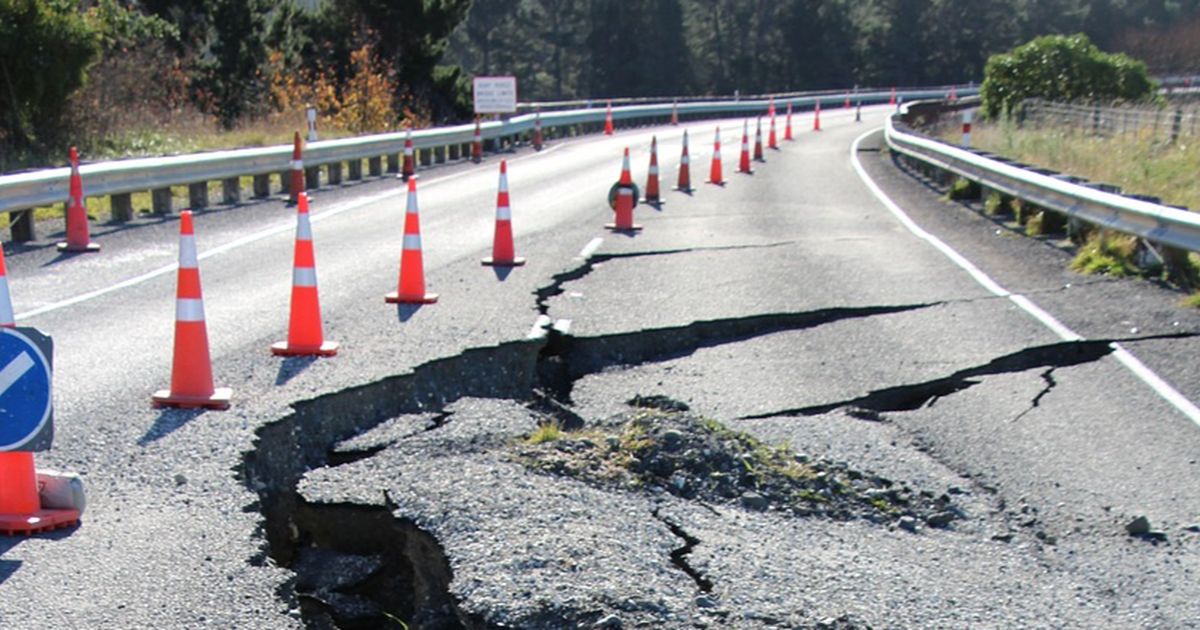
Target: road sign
{"x": 26, "y": 406}
{"x": 495, "y": 95}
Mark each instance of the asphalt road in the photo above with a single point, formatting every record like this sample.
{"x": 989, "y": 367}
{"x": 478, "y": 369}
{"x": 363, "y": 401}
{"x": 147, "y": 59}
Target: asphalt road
{"x": 774, "y": 304}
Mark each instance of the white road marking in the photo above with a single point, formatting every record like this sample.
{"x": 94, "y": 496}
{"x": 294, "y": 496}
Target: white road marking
{"x": 590, "y": 248}
{"x": 1136, "y": 367}
{"x": 287, "y": 226}
{"x": 15, "y": 370}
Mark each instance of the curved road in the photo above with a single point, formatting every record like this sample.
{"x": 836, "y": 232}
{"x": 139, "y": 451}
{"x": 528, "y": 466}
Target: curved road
{"x": 1057, "y": 445}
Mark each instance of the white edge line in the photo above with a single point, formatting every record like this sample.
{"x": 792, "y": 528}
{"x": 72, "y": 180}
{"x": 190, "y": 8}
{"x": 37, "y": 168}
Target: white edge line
{"x": 1135, "y": 366}
{"x": 287, "y": 226}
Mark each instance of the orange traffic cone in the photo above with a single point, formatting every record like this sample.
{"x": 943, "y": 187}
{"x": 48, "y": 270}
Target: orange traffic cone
{"x": 412, "y": 267}
{"x": 608, "y": 122}
{"x": 714, "y": 173}
{"x": 410, "y": 166}
{"x": 502, "y": 242}
{"x": 20, "y": 507}
{"x": 817, "y": 117}
{"x": 652, "y": 193}
{"x": 296, "y": 184}
{"x": 77, "y": 219}
{"x": 304, "y": 323}
{"x": 953, "y": 95}
{"x": 892, "y": 100}
{"x": 787, "y": 129}
{"x": 191, "y": 370}
{"x": 684, "y": 184}
{"x": 625, "y": 200}
{"x": 744, "y": 159}
{"x": 846, "y": 105}
{"x": 758, "y": 149}
{"x": 771, "y": 107}
{"x": 771, "y": 143}
{"x": 675, "y": 112}
{"x": 476, "y": 145}
{"x": 537, "y": 130}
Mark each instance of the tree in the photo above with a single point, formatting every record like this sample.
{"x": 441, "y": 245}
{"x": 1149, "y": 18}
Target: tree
{"x": 1061, "y": 68}
{"x": 46, "y": 47}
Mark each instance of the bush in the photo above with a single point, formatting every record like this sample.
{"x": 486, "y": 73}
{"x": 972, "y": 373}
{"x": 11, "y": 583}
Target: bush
{"x": 1061, "y": 68}
{"x": 46, "y": 47}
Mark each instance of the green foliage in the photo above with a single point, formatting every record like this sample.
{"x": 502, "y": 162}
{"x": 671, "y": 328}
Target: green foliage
{"x": 1108, "y": 253}
{"x": 46, "y": 47}
{"x": 549, "y": 432}
{"x": 963, "y": 188}
{"x": 1061, "y": 68}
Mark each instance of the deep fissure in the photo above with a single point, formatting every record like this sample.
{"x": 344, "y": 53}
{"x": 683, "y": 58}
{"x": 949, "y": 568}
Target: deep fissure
{"x": 911, "y": 397}
{"x": 540, "y": 372}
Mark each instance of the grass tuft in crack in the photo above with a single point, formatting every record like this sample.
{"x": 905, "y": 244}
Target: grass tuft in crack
{"x": 664, "y": 450}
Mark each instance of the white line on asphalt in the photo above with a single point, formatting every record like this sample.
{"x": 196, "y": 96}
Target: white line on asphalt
{"x": 15, "y": 370}
{"x": 287, "y": 226}
{"x": 1139, "y": 369}
{"x": 590, "y": 248}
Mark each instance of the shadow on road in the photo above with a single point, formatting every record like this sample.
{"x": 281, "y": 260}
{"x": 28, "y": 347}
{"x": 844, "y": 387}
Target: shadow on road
{"x": 291, "y": 366}
{"x": 169, "y": 421}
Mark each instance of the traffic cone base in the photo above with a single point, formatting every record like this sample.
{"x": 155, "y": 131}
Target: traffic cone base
{"x": 66, "y": 247}
{"x": 395, "y": 298}
{"x": 517, "y": 261}
{"x": 613, "y": 227}
{"x": 37, "y": 522}
{"x": 219, "y": 399}
{"x": 21, "y": 511}
{"x": 326, "y": 349}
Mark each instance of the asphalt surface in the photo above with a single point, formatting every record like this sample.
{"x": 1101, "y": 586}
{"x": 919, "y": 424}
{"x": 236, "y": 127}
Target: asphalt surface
{"x": 789, "y": 304}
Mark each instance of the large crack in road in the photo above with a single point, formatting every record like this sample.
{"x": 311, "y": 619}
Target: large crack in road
{"x": 412, "y": 583}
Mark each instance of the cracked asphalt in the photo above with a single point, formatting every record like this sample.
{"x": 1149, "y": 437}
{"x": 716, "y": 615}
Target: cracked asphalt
{"x": 789, "y": 304}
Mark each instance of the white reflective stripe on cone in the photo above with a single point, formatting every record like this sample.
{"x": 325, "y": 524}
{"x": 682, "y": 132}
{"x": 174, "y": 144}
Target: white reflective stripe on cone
{"x": 303, "y": 228}
{"x": 304, "y": 277}
{"x": 412, "y": 241}
{"x": 408, "y": 151}
{"x": 297, "y": 165}
{"x": 187, "y": 310}
{"x": 625, "y": 192}
{"x": 654, "y": 170}
{"x": 503, "y": 213}
{"x": 187, "y": 252}
{"x": 685, "y": 160}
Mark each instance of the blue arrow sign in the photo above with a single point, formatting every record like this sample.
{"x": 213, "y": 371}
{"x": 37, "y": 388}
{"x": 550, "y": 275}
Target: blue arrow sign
{"x": 25, "y": 401}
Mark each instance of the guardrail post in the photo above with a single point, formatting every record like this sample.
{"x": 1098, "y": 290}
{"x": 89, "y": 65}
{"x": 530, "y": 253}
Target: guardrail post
{"x": 21, "y": 225}
{"x": 198, "y": 195}
{"x": 375, "y": 166}
{"x": 1176, "y": 125}
{"x": 122, "y": 207}
{"x": 312, "y": 178}
{"x": 160, "y": 200}
{"x": 231, "y": 189}
{"x": 334, "y": 173}
{"x": 262, "y": 186}
{"x": 355, "y": 169}
{"x": 393, "y": 163}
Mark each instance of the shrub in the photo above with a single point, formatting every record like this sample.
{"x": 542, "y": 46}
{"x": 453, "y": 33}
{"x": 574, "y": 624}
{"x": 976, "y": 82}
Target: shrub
{"x": 1061, "y": 68}
{"x": 46, "y": 47}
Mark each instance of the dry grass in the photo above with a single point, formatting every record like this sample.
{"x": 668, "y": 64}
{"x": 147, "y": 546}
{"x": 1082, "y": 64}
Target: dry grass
{"x": 1135, "y": 162}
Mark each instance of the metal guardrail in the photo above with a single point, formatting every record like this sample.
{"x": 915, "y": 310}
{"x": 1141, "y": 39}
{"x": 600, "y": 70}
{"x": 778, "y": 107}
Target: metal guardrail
{"x": 1154, "y": 222}
{"x": 22, "y": 191}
